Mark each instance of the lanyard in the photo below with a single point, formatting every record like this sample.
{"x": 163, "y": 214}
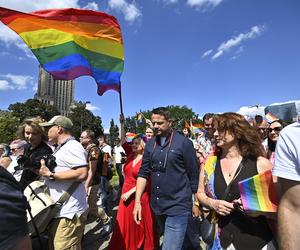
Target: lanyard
{"x": 166, "y": 155}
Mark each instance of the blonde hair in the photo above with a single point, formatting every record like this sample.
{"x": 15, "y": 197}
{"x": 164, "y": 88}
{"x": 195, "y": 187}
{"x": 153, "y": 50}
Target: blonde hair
{"x": 140, "y": 142}
{"x": 32, "y": 122}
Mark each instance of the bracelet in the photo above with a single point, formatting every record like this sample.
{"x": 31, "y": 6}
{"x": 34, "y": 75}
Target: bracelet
{"x": 196, "y": 203}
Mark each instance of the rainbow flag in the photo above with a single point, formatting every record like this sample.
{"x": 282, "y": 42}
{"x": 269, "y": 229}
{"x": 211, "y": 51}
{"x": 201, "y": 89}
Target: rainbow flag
{"x": 271, "y": 118}
{"x": 139, "y": 118}
{"x": 258, "y": 193}
{"x": 70, "y": 43}
{"x": 130, "y": 136}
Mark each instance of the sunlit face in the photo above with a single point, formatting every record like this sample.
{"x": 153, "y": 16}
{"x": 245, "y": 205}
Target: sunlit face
{"x": 223, "y": 138}
{"x": 274, "y": 131}
{"x": 160, "y": 124}
{"x": 32, "y": 135}
{"x": 149, "y": 133}
{"x": 261, "y": 129}
{"x": 53, "y": 134}
{"x": 136, "y": 146}
{"x": 16, "y": 151}
{"x": 84, "y": 139}
{"x": 208, "y": 125}
{"x": 185, "y": 132}
{"x": 101, "y": 141}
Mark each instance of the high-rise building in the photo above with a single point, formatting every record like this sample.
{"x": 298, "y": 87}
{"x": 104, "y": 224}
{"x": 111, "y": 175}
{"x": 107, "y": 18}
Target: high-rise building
{"x": 58, "y": 93}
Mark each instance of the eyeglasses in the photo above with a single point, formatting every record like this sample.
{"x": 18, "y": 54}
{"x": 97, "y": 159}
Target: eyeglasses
{"x": 13, "y": 149}
{"x": 276, "y": 129}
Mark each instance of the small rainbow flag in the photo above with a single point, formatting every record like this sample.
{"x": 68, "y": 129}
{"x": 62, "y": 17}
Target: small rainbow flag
{"x": 271, "y": 118}
{"x": 70, "y": 43}
{"x": 258, "y": 193}
{"x": 139, "y": 118}
{"x": 130, "y": 136}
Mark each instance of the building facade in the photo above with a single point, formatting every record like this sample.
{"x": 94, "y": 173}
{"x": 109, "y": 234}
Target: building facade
{"x": 58, "y": 93}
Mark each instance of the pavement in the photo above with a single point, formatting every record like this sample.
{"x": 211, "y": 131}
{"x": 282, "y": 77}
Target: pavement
{"x": 93, "y": 238}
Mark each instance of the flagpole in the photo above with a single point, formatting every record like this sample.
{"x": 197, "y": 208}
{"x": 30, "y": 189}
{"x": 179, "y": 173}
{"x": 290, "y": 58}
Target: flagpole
{"x": 120, "y": 98}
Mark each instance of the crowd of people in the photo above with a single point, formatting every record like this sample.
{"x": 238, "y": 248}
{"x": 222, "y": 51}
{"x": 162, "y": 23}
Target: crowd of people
{"x": 170, "y": 182}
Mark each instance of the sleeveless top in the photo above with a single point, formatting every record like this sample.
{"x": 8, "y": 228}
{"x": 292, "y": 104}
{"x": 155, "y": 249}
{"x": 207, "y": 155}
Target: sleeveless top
{"x": 239, "y": 229}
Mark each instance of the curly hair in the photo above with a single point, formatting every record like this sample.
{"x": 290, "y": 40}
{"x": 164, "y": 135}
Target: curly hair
{"x": 33, "y": 122}
{"x": 248, "y": 140}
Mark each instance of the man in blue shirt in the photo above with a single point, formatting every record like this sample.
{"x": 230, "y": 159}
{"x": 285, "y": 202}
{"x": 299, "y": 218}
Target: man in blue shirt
{"x": 170, "y": 161}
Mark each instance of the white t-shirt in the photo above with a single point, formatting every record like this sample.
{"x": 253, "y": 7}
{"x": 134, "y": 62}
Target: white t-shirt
{"x": 117, "y": 151}
{"x": 106, "y": 149}
{"x": 70, "y": 155}
{"x": 287, "y": 153}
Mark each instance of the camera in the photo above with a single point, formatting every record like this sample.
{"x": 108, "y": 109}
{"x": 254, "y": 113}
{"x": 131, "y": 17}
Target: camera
{"x": 25, "y": 162}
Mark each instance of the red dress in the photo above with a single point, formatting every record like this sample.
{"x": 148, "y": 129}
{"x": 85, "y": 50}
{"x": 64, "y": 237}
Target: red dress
{"x": 127, "y": 234}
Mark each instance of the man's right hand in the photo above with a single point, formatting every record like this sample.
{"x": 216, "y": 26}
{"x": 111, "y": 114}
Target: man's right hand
{"x": 137, "y": 212}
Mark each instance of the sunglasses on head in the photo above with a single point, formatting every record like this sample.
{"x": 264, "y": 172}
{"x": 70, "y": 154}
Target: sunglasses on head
{"x": 276, "y": 129}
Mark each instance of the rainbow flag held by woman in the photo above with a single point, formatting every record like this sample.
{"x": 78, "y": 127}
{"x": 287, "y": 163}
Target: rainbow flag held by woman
{"x": 70, "y": 43}
{"x": 258, "y": 193}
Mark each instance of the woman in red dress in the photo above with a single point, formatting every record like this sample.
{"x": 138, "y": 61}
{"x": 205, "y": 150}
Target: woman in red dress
{"x": 128, "y": 235}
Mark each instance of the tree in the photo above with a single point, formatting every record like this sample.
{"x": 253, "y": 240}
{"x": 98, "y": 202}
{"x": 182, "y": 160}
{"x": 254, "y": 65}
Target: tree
{"x": 113, "y": 132}
{"x": 32, "y": 108}
{"x": 84, "y": 119}
{"x": 179, "y": 115}
{"x": 8, "y": 127}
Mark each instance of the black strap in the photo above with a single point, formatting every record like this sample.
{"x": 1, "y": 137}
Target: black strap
{"x": 238, "y": 170}
{"x": 66, "y": 195}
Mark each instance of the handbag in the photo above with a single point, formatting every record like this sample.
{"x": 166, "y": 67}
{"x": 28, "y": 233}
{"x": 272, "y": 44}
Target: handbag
{"x": 208, "y": 229}
{"x": 208, "y": 224}
{"x": 42, "y": 207}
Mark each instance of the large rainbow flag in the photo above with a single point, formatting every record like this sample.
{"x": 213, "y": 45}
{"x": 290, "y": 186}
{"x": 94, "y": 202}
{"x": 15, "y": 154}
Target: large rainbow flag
{"x": 258, "y": 193}
{"x": 72, "y": 42}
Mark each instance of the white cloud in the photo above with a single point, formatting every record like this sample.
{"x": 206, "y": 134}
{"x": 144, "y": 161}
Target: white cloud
{"x": 33, "y": 5}
{"x": 203, "y": 3}
{"x": 237, "y": 40}
{"x": 207, "y": 53}
{"x": 170, "y": 1}
{"x": 129, "y": 10}
{"x": 252, "y": 111}
{"x": 18, "y": 82}
{"x": 91, "y": 107}
{"x": 4, "y": 85}
{"x": 91, "y": 6}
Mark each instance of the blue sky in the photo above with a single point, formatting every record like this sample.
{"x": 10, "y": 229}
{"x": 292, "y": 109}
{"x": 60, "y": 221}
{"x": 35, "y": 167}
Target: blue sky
{"x": 211, "y": 55}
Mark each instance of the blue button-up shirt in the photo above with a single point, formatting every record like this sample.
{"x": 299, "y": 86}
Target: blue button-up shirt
{"x": 174, "y": 171}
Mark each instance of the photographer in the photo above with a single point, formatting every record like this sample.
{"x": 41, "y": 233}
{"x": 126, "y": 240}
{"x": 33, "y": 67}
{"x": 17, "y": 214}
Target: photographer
{"x": 36, "y": 137}
{"x": 66, "y": 230}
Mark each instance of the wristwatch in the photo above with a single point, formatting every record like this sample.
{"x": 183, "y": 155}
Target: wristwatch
{"x": 51, "y": 176}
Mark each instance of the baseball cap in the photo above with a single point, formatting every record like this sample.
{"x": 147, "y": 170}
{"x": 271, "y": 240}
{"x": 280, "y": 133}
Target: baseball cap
{"x": 59, "y": 120}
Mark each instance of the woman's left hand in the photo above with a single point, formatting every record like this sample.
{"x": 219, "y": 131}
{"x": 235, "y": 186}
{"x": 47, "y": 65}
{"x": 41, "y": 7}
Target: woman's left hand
{"x": 125, "y": 196}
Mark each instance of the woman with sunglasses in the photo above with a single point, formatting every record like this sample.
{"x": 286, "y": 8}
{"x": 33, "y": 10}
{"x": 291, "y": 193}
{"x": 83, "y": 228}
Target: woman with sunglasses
{"x": 127, "y": 234}
{"x": 273, "y": 132}
{"x": 238, "y": 156}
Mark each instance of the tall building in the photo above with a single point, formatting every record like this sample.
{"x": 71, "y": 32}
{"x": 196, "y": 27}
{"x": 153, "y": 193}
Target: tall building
{"x": 59, "y": 93}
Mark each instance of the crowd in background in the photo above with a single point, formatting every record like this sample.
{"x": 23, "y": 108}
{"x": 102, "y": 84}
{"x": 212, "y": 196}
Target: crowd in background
{"x": 169, "y": 182}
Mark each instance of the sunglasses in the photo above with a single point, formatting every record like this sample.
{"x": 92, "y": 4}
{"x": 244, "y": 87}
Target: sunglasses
{"x": 276, "y": 129}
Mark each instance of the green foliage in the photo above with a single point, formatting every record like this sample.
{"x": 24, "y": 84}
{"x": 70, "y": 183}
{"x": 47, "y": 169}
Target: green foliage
{"x": 84, "y": 119}
{"x": 179, "y": 115}
{"x": 32, "y": 108}
{"x": 8, "y": 127}
{"x": 113, "y": 132}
